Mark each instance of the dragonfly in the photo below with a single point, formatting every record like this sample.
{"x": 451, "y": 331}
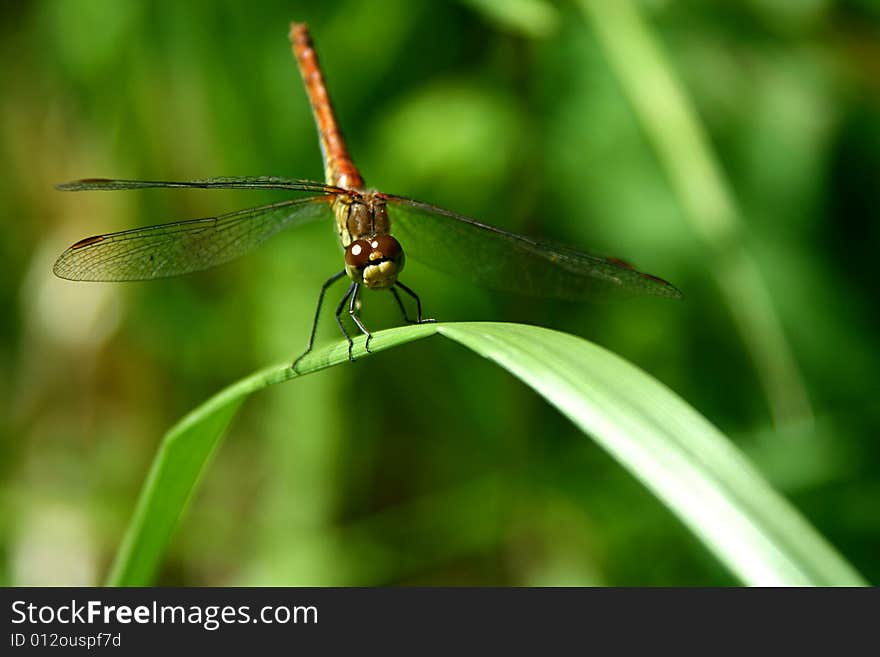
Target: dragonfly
{"x": 363, "y": 219}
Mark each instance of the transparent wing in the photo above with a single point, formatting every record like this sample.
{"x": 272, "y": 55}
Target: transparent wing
{"x": 500, "y": 260}
{"x": 243, "y": 182}
{"x": 182, "y": 247}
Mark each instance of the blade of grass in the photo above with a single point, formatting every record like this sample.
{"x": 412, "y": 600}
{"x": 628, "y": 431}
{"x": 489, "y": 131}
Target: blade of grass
{"x": 672, "y": 126}
{"x": 687, "y": 463}
{"x": 670, "y": 447}
{"x": 186, "y": 450}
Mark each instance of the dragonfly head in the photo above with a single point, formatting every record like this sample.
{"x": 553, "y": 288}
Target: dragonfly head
{"x": 375, "y": 261}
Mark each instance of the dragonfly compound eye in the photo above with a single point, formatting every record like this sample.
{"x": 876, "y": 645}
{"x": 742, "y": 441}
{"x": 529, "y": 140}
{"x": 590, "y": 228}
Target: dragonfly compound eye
{"x": 374, "y": 261}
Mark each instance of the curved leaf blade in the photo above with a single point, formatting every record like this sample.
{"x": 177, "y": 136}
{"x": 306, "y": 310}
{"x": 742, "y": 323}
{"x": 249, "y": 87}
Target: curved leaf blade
{"x": 672, "y": 449}
{"x": 187, "y": 447}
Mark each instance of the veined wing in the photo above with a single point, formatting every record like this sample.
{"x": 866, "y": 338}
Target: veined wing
{"x": 501, "y": 260}
{"x": 182, "y": 247}
{"x": 243, "y": 182}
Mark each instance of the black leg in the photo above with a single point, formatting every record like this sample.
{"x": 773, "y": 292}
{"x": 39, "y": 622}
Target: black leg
{"x": 324, "y": 287}
{"x": 352, "y": 289}
{"x": 352, "y": 311}
{"x": 415, "y": 296}
{"x": 402, "y": 307}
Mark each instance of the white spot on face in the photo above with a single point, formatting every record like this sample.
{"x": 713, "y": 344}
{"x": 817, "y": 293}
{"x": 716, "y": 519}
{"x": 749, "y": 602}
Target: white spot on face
{"x": 374, "y": 244}
{"x": 356, "y": 249}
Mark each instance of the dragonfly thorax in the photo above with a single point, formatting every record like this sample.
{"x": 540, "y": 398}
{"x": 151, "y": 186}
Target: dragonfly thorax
{"x": 359, "y": 216}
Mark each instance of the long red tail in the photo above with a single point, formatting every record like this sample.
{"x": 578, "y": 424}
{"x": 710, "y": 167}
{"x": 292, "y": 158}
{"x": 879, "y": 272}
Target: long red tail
{"x": 339, "y": 169}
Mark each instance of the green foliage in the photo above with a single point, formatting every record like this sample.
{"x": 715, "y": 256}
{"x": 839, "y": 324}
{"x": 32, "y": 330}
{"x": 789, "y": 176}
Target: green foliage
{"x": 645, "y": 130}
{"x": 673, "y": 450}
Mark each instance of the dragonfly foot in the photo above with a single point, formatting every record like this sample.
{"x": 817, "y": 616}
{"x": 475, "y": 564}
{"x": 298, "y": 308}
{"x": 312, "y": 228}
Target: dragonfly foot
{"x": 419, "y": 319}
{"x": 351, "y": 356}
{"x": 295, "y": 363}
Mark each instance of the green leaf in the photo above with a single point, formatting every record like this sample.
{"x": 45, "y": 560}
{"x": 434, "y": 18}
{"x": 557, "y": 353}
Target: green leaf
{"x": 187, "y": 448}
{"x": 684, "y": 460}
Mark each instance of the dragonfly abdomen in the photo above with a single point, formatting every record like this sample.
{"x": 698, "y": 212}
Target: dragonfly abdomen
{"x": 339, "y": 169}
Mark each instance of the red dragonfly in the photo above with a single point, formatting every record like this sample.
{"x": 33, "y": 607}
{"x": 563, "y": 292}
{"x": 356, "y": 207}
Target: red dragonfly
{"x": 491, "y": 257}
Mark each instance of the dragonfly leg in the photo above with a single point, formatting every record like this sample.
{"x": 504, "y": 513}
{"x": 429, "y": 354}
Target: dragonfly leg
{"x": 324, "y": 287}
{"x": 350, "y": 293}
{"x": 402, "y": 307}
{"x": 420, "y": 319}
{"x": 352, "y": 311}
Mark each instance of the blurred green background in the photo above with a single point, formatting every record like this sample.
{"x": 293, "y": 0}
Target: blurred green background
{"x": 427, "y": 465}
